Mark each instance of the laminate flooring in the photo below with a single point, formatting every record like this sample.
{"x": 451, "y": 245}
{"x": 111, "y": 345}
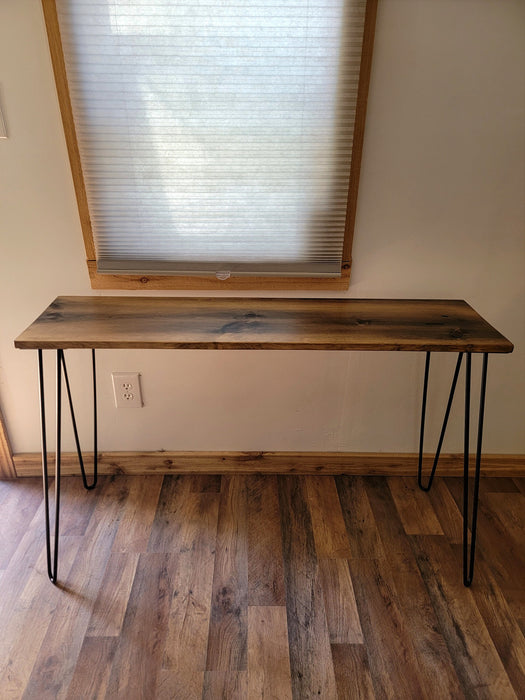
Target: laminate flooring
{"x": 251, "y": 586}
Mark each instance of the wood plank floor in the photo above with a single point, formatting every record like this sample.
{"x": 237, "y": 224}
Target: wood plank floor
{"x": 262, "y": 587}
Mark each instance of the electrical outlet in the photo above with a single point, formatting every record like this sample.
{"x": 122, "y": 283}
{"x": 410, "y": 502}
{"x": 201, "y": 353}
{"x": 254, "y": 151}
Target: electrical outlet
{"x": 126, "y": 388}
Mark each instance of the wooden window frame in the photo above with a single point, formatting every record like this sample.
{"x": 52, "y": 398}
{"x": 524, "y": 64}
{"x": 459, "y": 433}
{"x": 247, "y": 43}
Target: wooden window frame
{"x": 209, "y": 282}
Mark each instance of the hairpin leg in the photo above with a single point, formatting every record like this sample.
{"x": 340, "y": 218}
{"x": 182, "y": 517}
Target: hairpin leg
{"x": 468, "y": 557}
{"x": 52, "y": 562}
{"x": 52, "y": 556}
{"x": 75, "y": 431}
{"x": 444, "y": 427}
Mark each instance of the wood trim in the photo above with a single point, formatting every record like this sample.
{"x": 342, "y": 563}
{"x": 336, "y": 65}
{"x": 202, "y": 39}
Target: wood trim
{"x": 211, "y": 283}
{"x": 7, "y": 467}
{"x": 354, "y": 463}
{"x": 159, "y": 282}
{"x": 359, "y": 127}
{"x": 64, "y": 100}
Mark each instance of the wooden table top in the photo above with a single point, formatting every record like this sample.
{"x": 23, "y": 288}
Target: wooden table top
{"x": 262, "y": 324}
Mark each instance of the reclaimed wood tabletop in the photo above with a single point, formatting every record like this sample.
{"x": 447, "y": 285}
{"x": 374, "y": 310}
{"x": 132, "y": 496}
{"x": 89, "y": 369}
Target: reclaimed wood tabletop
{"x": 262, "y": 324}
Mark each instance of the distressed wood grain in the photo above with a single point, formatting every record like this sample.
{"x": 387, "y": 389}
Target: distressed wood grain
{"x": 414, "y": 508}
{"x": 328, "y": 525}
{"x": 392, "y": 619}
{"x": 268, "y": 660}
{"x": 138, "y": 658}
{"x": 265, "y": 551}
{"x": 352, "y": 672}
{"x": 310, "y": 656}
{"x": 262, "y": 324}
{"x": 361, "y": 528}
{"x": 92, "y": 672}
{"x": 394, "y": 666}
{"x": 474, "y": 656}
{"x": 342, "y": 617}
{"x": 228, "y": 618}
{"x": 434, "y": 662}
{"x": 214, "y": 464}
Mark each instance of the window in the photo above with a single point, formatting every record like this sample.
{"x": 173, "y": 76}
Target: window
{"x": 214, "y": 144}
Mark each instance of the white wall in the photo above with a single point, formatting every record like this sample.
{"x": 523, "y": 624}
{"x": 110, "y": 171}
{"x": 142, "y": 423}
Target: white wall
{"x": 441, "y": 214}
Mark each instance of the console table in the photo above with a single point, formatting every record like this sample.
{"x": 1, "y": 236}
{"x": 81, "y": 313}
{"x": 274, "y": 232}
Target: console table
{"x": 96, "y": 322}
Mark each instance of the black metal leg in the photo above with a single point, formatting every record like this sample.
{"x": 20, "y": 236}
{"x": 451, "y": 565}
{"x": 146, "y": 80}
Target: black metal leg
{"x": 443, "y": 428}
{"x": 51, "y": 565}
{"x": 52, "y": 556}
{"x": 468, "y": 557}
{"x": 74, "y": 422}
{"x": 469, "y": 547}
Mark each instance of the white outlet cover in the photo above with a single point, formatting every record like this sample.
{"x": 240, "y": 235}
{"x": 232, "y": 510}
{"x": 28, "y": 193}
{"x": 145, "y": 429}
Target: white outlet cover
{"x": 126, "y": 389}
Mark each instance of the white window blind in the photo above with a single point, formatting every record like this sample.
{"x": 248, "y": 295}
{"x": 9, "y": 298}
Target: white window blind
{"x": 215, "y": 135}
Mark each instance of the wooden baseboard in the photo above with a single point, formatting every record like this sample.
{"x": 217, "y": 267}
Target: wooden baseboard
{"x": 7, "y": 467}
{"x": 357, "y": 463}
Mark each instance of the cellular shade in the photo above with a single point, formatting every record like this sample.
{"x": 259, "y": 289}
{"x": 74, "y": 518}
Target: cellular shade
{"x": 215, "y": 135}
